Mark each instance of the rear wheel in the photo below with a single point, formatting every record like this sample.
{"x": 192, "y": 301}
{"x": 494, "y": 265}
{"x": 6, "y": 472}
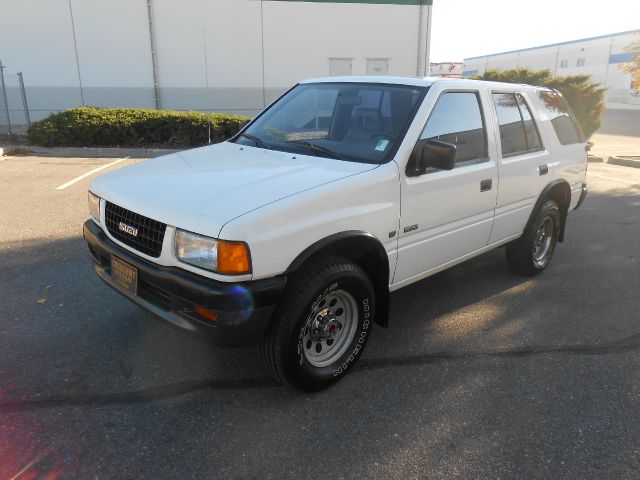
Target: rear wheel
{"x": 323, "y": 325}
{"x": 532, "y": 252}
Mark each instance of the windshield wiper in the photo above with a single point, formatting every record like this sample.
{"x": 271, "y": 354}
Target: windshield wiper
{"x": 254, "y": 139}
{"x": 317, "y": 148}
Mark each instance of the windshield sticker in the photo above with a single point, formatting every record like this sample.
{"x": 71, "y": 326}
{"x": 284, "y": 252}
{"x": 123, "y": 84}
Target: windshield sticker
{"x": 382, "y": 145}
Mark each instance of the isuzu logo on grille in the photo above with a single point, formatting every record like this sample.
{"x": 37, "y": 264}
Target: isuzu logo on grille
{"x": 128, "y": 229}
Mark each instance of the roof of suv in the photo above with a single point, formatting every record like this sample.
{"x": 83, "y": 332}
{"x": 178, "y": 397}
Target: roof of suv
{"x": 419, "y": 82}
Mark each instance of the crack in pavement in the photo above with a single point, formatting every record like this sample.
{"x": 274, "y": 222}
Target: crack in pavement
{"x": 619, "y": 346}
{"x": 177, "y": 389}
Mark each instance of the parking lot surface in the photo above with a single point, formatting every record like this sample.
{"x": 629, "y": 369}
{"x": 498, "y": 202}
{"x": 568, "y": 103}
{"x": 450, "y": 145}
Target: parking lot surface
{"x": 481, "y": 374}
{"x": 619, "y": 133}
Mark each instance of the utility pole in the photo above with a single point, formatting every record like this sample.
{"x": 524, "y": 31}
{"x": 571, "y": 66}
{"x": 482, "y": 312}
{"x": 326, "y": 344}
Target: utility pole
{"x": 6, "y": 101}
{"x": 75, "y": 49}
{"x": 24, "y": 99}
{"x": 154, "y": 57}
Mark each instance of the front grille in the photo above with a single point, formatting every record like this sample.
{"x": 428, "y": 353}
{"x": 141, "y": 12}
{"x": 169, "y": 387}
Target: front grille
{"x": 150, "y": 233}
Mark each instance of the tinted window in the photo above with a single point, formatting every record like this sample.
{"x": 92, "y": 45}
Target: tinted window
{"x": 530, "y": 129}
{"x": 558, "y": 113}
{"x": 457, "y": 119}
{"x": 512, "y": 134}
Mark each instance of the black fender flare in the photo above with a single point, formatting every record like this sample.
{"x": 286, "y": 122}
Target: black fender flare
{"x": 346, "y": 243}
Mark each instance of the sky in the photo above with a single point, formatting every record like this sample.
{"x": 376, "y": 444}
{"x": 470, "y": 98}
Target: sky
{"x": 468, "y": 28}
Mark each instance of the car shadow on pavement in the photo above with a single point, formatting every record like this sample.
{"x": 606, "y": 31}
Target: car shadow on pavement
{"x": 479, "y": 368}
{"x": 475, "y": 310}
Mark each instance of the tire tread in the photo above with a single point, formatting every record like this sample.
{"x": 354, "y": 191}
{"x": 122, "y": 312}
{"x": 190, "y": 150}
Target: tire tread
{"x": 294, "y": 301}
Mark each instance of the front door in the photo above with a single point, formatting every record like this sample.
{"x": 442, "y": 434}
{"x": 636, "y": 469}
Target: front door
{"x": 447, "y": 215}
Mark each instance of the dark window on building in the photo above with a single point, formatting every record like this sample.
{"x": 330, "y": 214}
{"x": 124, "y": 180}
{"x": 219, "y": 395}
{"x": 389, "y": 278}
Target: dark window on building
{"x": 457, "y": 119}
{"x": 564, "y": 63}
{"x": 581, "y": 62}
{"x": 564, "y": 124}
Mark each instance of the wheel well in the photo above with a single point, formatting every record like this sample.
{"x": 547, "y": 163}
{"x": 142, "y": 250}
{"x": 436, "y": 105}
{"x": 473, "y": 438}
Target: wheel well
{"x": 364, "y": 250}
{"x": 560, "y": 192}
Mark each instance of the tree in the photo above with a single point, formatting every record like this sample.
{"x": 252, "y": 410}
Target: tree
{"x": 586, "y": 98}
{"x": 633, "y": 67}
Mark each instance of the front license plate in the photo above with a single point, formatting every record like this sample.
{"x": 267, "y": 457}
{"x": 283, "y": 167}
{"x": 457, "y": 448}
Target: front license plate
{"x": 124, "y": 275}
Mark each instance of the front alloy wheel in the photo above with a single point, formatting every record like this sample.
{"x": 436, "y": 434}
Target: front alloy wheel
{"x": 322, "y": 326}
{"x": 330, "y": 328}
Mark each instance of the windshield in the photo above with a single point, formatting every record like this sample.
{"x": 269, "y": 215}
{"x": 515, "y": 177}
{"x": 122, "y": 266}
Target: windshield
{"x": 360, "y": 122}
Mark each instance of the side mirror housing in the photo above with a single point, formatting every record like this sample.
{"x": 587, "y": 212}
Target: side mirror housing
{"x": 433, "y": 153}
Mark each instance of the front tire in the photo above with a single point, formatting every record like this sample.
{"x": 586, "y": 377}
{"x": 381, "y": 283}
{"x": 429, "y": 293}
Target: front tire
{"x": 531, "y": 253}
{"x": 323, "y": 325}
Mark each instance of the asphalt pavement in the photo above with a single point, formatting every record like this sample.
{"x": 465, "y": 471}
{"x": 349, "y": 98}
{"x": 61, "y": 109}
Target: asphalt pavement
{"x": 481, "y": 374}
{"x": 619, "y": 133}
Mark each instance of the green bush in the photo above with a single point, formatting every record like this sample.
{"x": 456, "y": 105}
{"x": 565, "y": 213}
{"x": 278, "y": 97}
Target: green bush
{"x": 585, "y": 98}
{"x": 132, "y": 127}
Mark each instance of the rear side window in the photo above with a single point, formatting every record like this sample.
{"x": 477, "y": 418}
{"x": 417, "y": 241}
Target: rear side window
{"x": 530, "y": 129}
{"x": 518, "y": 131}
{"x": 457, "y": 119}
{"x": 556, "y": 108}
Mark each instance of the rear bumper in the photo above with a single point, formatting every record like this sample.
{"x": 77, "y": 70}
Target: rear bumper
{"x": 583, "y": 195}
{"x": 244, "y": 309}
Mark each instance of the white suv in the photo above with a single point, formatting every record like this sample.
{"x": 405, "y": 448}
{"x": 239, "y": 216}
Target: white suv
{"x": 294, "y": 232}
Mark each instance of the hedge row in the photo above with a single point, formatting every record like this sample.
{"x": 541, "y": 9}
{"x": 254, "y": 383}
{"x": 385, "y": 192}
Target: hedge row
{"x": 586, "y": 98}
{"x": 132, "y": 127}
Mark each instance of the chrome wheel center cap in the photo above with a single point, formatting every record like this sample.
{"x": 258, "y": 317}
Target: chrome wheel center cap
{"x": 324, "y": 326}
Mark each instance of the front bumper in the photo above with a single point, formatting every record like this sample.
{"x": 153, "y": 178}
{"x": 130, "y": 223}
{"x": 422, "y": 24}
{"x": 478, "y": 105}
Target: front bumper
{"x": 244, "y": 309}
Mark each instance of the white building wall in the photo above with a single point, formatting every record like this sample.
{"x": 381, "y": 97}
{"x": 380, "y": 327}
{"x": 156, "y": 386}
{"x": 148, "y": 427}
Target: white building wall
{"x": 446, "y": 69}
{"x": 602, "y": 60}
{"x": 297, "y": 39}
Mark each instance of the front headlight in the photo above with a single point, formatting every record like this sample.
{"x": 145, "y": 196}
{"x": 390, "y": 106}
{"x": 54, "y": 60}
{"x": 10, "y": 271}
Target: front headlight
{"x": 221, "y": 256}
{"x": 94, "y": 206}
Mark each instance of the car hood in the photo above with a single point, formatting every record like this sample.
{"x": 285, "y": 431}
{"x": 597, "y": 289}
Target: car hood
{"x": 202, "y": 189}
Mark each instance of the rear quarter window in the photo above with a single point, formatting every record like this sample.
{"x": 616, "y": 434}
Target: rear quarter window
{"x": 557, "y": 111}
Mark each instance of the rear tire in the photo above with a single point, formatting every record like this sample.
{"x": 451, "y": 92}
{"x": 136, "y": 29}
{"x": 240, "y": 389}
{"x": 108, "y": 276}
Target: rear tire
{"x": 323, "y": 325}
{"x": 531, "y": 253}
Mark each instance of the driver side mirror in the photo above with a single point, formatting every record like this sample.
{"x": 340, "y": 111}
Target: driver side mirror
{"x": 433, "y": 153}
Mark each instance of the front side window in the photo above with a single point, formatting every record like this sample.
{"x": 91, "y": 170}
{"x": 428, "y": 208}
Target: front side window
{"x": 360, "y": 122}
{"x": 558, "y": 113}
{"x": 457, "y": 119}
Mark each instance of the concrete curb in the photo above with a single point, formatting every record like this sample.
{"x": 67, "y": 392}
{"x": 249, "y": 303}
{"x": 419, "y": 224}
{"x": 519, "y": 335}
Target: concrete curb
{"x": 91, "y": 152}
{"x": 594, "y": 159}
{"x": 625, "y": 162}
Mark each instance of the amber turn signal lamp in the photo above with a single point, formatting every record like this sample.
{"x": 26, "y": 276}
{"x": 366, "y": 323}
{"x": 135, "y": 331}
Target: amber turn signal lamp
{"x": 233, "y": 258}
{"x": 211, "y": 315}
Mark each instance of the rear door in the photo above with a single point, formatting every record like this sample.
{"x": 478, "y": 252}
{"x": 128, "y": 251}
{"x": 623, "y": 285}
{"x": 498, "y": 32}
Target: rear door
{"x": 525, "y": 165}
{"x": 447, "y": 215}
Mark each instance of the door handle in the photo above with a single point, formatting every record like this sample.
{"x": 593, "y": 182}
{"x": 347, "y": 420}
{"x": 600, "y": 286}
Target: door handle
{"x": 543, "y": 169}
{"x": 485, "y": 185}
